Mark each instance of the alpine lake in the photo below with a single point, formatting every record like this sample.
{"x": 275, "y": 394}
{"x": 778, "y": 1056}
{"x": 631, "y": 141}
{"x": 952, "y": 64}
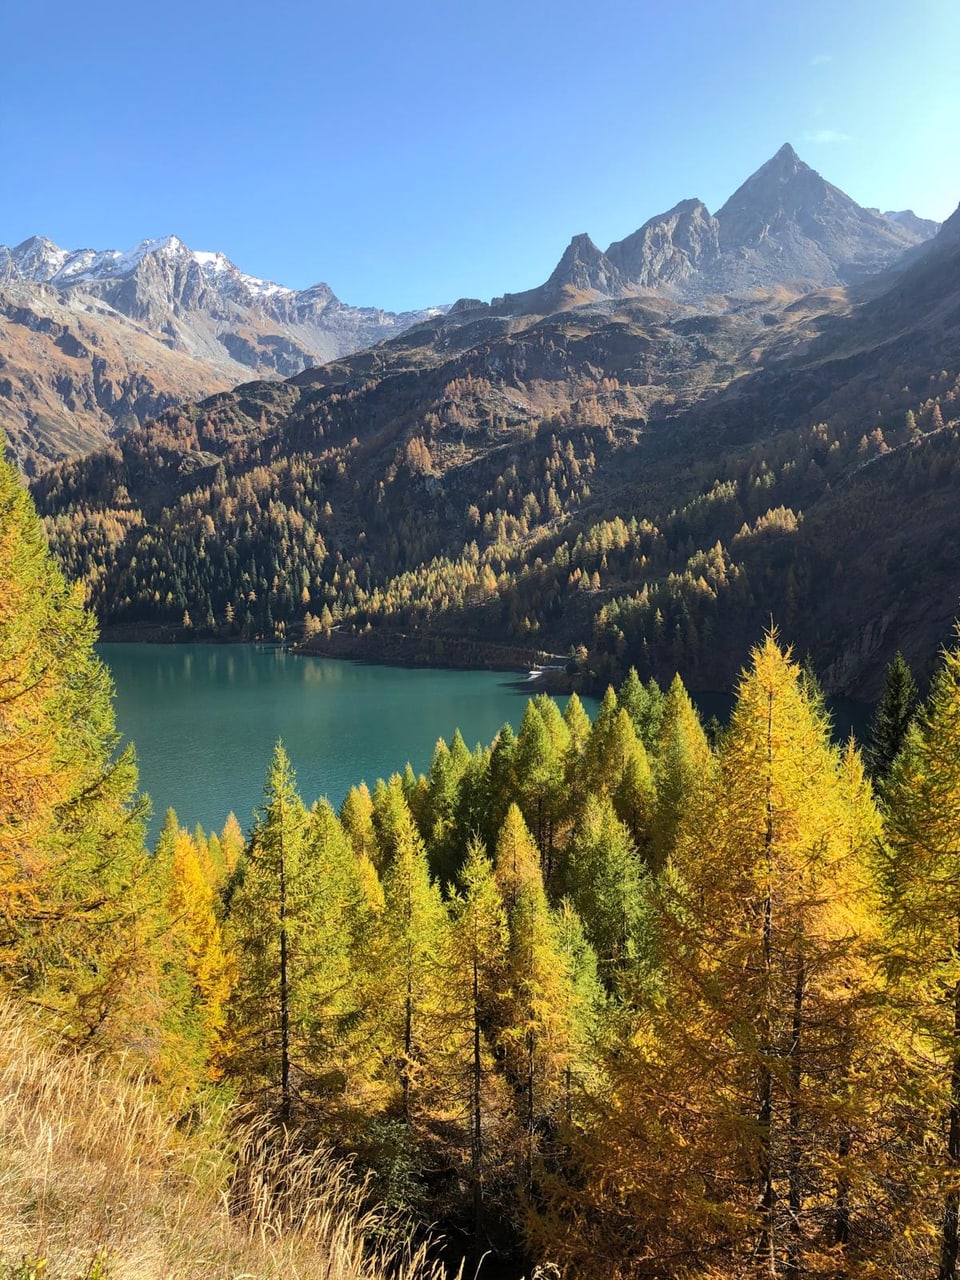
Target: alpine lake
{"x": 205, "y": 718}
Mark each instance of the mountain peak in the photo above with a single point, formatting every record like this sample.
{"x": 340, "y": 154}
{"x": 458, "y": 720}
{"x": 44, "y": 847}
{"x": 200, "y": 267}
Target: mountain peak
{"x": 585, "y": 268}
{"x": 783, "y": 170}
{"x": 668, "y": 250}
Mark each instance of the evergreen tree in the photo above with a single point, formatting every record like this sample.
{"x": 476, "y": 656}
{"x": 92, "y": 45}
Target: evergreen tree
{"x": 606, "y": 886}
{"x": 270, "y": 1013}
{"x": 684, "y": 763}
{"x": 644, "y": 705}
{"x": 891, "y": 720}
{"x": 500, "y": 783}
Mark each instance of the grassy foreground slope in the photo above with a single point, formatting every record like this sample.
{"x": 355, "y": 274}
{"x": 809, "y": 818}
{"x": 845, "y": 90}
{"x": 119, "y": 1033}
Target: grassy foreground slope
{"x": 97, "y": 1181}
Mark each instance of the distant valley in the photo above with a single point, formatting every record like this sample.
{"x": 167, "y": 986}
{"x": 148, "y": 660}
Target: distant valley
{"x": 618, "y": 473}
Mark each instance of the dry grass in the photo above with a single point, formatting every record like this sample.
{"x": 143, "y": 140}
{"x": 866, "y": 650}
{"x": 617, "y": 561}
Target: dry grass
{"x": 97, "y": 1183}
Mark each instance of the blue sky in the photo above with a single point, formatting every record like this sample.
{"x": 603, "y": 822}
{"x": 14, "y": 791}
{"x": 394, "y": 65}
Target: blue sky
{"x": 414, "y": 151}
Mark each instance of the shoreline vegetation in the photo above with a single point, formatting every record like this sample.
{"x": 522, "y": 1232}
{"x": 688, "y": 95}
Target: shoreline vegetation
{"x": 557, "y": 672}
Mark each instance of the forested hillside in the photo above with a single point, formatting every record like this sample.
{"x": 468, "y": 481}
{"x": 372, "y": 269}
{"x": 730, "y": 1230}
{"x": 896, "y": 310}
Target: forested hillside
{"x": 631, "y": 481}
{"x": 617, "y": 996}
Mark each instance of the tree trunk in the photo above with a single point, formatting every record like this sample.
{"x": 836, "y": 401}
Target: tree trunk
{"x": 476, "y": 1135}
{"x": 530, "y": 1113}
{"x": 407, "y": 1045}
{"x": 285, "y": 1101}
{"x": 794, "y": 1145}
{"x": 767, "y": 1249}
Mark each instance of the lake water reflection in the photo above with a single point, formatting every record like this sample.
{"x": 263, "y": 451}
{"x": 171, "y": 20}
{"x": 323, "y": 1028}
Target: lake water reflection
{"x": 205, "y": 718}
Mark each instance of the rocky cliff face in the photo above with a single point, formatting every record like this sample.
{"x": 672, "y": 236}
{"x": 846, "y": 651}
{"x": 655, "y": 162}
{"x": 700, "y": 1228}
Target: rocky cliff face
{"x": 671, "y": 251}
{"x": 201, "y": 303}
{"x": 786, "y": 223}
{"x": 74, "y": 373}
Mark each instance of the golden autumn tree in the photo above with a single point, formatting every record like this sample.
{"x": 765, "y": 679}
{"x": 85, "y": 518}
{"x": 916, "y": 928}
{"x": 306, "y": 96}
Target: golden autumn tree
{"x": 408, "y": 959}
{"x": 192, "y": 969}
{"x": 475, "y": 973}
{"x": 921, "y": 876}
{"x": 543, "y": 1024}
{"x": 737, "y": 1137}
{"x": 71, "y": 827}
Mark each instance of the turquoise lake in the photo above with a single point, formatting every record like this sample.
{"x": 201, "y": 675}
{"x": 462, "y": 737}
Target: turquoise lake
{"x": 204, "y": 719}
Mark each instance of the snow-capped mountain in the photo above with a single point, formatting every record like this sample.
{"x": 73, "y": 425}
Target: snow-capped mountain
{"x": 202, "y": 304}
{"x": 95, "y": 341}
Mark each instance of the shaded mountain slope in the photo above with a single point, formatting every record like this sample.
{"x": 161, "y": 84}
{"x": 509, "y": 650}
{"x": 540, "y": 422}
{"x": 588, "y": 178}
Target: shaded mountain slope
{"x": 632, "y": 479}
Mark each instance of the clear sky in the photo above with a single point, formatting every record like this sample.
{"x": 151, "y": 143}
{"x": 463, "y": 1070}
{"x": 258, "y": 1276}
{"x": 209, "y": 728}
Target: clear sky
{"x": 415, "y": 151}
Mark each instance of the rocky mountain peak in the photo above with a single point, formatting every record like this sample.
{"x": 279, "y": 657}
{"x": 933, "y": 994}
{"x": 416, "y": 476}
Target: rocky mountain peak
{"x": 786, "y": 225}
{"x": 584, "y": 267}
{"x": 670, "y": 249}
{"x": 102, "y": 338}
{"x": 923, "y": 228}
{"x": 37, "y": 258}
{"x": 780, "y": 190}
{"x": 786, "y": 160}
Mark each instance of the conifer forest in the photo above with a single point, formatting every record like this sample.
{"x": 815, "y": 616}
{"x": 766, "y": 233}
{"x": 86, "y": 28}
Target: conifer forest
{"x": 622, "y": 998}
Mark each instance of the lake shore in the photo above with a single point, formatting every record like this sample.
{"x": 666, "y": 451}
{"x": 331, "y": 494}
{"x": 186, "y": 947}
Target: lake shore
{"x": 385, "y": 648}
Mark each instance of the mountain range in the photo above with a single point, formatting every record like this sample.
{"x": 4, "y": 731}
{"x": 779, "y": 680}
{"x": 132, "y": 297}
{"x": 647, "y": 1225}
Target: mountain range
{"x": 92, "y": 343}
{"x": 634, "y": 478}
{"x": 785, "y": 226}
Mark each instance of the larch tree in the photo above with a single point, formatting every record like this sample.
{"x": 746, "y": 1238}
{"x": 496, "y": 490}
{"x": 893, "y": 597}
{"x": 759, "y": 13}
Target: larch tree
{"x": 270, "y": 933}
{"x": 540, "y": 1033}
{"x": 772, "y": 898}
{"x": 408, "y": 957}
{"x": 71, "y": 825}
{"x": 922, "y": 901}
{"x": 578, "y": 724}
{"x": 193, "y": 969}
{"x": 356, "y": 816}
{"x": 752, "y": 1067}
{"x": 344, "y": 917}
{"x": 475, "y": 970}
{"x": 538, "y": 768}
